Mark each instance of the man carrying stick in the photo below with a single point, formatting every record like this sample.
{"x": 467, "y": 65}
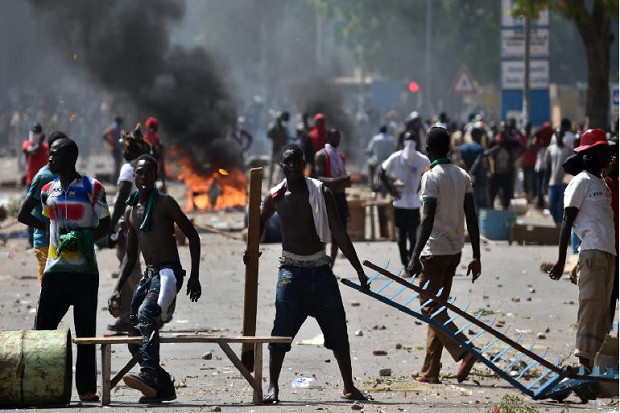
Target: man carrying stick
{"x": 306, "y": 285}
{"x": 151, "y": 217}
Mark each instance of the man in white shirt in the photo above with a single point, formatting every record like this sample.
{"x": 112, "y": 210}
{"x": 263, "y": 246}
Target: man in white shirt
{"x": 588, "y": 211}
{"x": 405, "y": 167}
{"x": 555, "y": 155}
{"x": 448, "y": 201}
{"x": 379, "y": 148}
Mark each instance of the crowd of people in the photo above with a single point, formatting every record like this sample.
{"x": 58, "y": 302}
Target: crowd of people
{"x": 436, "y": 174}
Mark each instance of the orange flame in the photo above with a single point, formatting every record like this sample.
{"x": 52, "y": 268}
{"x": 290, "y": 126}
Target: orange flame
{"x": 225, "y": 188}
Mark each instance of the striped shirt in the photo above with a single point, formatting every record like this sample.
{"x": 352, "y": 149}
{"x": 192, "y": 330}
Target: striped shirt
{"x": 80, "y": 206}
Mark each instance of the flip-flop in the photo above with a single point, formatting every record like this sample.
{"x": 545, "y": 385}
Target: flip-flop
{"x": 357, "y": 395}
{"x": 270, "y": 398}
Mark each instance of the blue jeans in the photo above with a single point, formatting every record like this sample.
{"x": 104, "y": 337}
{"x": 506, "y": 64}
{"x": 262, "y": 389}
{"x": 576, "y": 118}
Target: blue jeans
{"x": 145, "y": 313}
{"x": 556, "y": 203}
{"x": 303, "y": 292}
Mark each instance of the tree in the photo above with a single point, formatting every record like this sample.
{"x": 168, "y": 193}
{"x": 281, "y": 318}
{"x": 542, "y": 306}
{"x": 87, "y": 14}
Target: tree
{"x": 593, "y": 20}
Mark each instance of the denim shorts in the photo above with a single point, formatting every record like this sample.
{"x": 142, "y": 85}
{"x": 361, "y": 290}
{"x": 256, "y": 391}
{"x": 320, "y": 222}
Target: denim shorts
{"x": 303, "y": 292}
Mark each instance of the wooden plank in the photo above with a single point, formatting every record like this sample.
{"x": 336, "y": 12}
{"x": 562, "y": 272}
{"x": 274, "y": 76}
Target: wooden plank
{"x": 106, "y": 365}
{"x": 250, "y": 299}
{"x": 237, "y": 363}
{"x": 258, "y": 373}
{"x": 185, "y": 339}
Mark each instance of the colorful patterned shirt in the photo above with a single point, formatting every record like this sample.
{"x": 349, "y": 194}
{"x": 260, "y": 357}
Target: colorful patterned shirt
{"x": 79, "y": 207}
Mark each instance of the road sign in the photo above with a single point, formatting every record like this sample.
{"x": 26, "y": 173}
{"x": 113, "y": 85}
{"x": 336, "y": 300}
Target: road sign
{"x": 513, "y": 74}
{"x": 463, "y": 83}
{"x": 513, "y": 42}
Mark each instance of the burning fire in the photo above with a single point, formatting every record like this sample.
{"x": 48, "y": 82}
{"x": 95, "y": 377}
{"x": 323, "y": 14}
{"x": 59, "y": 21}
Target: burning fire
{"x": 218, "y": 190}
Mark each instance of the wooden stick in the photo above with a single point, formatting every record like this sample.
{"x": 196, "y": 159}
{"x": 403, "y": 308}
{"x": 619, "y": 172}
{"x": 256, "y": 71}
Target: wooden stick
{"x": 250, "y": 301}
{"x": 208, "y": 228}
{"x": 106, "y": 356}
{"x": 238, "y": 364}
{"x": 257, "y": 397}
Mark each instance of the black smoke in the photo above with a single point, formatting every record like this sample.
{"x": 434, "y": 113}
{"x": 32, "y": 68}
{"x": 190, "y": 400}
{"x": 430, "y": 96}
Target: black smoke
{"x": 124, "y": 46}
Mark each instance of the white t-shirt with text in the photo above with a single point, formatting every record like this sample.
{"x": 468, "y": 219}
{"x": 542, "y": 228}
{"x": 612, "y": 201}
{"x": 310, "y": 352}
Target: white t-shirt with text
{"x": 594, "y": 224}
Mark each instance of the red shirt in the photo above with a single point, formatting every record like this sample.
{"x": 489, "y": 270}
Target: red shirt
{"x": 318, "y": 137}
{"x": 529, "y": 155}
{"x": 36, "y": 160}
{"x": 612, "y": 183}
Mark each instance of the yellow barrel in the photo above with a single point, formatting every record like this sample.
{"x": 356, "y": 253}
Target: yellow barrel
{"x": 35, "y": 368}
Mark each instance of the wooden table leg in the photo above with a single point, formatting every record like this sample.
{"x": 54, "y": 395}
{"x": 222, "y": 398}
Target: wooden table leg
{"x": 106, "y": 366}
{"x": 258, "y": 373}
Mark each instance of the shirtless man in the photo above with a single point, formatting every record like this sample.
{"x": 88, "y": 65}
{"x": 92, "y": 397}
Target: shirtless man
{"x": 306, "y": 285}
{"x": 151, "y": 217}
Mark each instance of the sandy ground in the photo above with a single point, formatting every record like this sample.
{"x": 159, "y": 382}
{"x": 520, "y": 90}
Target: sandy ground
{"x": 508, "y": 272}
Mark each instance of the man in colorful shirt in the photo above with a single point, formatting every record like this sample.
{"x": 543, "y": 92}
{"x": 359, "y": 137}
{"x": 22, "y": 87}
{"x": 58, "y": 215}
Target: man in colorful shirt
{"x": 77, "y": 215}
{"x": 448, "y": 200}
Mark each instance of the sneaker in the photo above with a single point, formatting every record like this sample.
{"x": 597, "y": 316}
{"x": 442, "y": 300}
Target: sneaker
{"x": 144, "y": 382}
{"x": 165, "y": 390}
{"x": 89, "y": 397}
{"x": 119, "y": 326}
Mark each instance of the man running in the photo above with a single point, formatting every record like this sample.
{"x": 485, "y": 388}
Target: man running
{"x": 306, "y": 285}
{"x": 151, "y": 217}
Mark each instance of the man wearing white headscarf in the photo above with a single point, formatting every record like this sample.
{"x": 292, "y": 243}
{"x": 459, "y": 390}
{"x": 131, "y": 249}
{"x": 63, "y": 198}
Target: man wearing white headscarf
{"x": 404, "y": 170}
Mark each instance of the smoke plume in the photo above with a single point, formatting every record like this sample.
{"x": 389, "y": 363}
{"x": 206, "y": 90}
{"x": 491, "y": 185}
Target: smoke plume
{"x": 125, "y": 47}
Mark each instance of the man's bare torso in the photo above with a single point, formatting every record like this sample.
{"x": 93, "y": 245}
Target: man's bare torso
{"x": 298, "y": 230}
{"x": 159, "y": 244}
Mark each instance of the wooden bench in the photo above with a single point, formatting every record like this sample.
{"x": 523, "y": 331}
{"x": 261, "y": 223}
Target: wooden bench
{"x": 255, "y": 381}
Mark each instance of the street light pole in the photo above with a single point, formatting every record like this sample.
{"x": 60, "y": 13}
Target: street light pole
{"x": 526, "y": 73}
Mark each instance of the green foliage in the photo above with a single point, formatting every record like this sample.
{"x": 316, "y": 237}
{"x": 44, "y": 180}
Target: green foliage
{"x": 392, "y": 34}
{"x": 513, "y": 404}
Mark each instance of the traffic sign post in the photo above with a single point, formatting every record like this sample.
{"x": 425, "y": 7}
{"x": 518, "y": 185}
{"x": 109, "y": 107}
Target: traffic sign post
{"x": 463, "y": 83}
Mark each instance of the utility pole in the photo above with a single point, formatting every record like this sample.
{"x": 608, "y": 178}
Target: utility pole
{"x": 429, "y": 72}
{"x": 525, "y": 117}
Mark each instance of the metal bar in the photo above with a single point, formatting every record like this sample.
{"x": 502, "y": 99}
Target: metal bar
{"x": 492, "y": 342}
{"x": 402, "y": 288}
{"x": 504, "y": 351}
{"x": 531, "y": 365}
{"x": 415, "y": 295}
{"x": 456, "y": 315}
{"x": 441, "y": 327}
{"x": 468, "y": 317}
{"x": 481, "y": 332}
{"x": 376, "y": 274}
{"x": 516, "y": 360}
{"x": 460, "y": 330}
{"x": 545, "y": 374}
{"x": 384, "y": 286}
{"x": 443, "y": 307}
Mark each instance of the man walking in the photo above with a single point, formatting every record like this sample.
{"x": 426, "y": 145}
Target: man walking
{"x": 77, "y": 215}
{"x": 306, "y": 285}
{"x": 278, "y": 133}
{"x": 379, "y": 148}
{"x": 447, "y": 201}
{"x": 331, "y": 171}
{"x": 405, "y": 167}
{"x": 30, "y": 213}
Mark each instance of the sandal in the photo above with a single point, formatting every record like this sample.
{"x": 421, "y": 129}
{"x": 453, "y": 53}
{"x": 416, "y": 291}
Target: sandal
{"x": 356, "y": 395}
